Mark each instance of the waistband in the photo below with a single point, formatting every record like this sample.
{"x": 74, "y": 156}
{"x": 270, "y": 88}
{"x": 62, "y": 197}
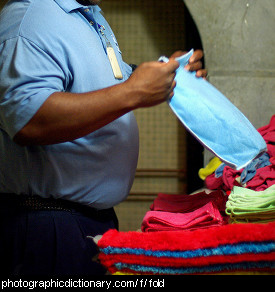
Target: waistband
{"x": 37, "y": 203}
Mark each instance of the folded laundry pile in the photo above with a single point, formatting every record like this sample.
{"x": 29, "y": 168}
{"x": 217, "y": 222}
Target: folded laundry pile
{"x": 185, "y": 212}
{"x": 258, "y": 175}
{"x": 192, "y": 234}
{"x": 245, "y": 205}
{"x": 224, "y": 249}
{"x": 204, "y": 217}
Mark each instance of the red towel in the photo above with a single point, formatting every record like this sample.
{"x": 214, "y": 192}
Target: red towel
{"x": 268, "y": 131}
{"x": 190, "y": 240}
{"x": 111, "y": 260}
{"x": 218, "y": 249}
{"x": 188, "y": 203}
{"x": 204, "y": 217}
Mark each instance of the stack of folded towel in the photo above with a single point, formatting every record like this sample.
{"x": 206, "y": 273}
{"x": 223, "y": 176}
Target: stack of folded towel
{"x": 245, "y": 205}
{"x": 185, "y": 212}
{"x": 224, "y": 249}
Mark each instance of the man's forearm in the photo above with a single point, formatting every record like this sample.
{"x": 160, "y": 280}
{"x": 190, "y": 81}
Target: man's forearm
{"x": 68, "y": 116}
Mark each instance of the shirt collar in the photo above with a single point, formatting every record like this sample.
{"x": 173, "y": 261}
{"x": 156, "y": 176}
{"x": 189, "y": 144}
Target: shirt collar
{"x": 70, "y": 5}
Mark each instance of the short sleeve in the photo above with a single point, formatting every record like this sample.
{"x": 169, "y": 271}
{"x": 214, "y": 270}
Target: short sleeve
{"x": 28, "y": 76}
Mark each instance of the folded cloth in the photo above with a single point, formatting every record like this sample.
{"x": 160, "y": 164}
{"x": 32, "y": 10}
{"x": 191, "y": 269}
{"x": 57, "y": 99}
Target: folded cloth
{"x": 227, "y": 248}
{"x": 214, "y": 121}
{"x": 204, "y": 217}
{"x": 245, "y": 205}
{"x": 188, "y": 203}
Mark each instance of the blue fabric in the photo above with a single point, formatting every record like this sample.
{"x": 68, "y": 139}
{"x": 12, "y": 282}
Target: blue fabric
{"x": 250, "y": 170}
{"x": 194, "y": 270}
{"x": 227, "y": 249}
{"x": 219, "y": 170}
{"x": 217, "y": 124}
{"x": 48, "y": 46}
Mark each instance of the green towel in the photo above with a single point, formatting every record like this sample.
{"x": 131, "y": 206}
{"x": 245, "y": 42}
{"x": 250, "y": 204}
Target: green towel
{"x": 245, "y": 205}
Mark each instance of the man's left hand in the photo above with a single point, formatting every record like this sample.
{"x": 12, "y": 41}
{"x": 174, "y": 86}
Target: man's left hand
{"x": 194, "y": 64}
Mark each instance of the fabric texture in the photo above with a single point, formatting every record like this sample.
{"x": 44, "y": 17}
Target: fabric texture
{"x": 213, "y": 164}
{"x": 258, "y": 175}
{"x": 204, "y": 217}
{"x": 227, "y": 248}
{"x": 185, "y": 212}
{"x": 230, "y": 136}
{"x": 40, "y": 55}
{"x": 188, "y": 203}
{"x": 245, "y": 205}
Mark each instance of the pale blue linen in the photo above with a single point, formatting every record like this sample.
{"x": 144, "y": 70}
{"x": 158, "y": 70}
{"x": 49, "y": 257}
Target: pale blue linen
{"x": 215, "y": 122}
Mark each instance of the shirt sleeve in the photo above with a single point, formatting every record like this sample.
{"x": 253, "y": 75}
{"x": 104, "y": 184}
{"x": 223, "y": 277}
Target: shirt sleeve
{"x": 28, "y": 75}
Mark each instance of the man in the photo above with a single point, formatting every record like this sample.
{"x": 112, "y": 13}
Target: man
{"x": 68, "y": 137}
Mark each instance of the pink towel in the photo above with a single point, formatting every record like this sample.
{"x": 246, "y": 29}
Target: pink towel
{"x": 204, "y": 217}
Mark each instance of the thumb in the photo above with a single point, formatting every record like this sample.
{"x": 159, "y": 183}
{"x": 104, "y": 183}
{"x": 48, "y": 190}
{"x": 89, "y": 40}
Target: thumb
{"x": 172, "y": 65}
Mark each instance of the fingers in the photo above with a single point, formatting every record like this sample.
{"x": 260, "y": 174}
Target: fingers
{"x": 172, "y": 65}
{"x": 197, "y": 56}
{"x": 202, "y": 73}
{"x": 171, "y": 94}
{"x": 195, "y": 64}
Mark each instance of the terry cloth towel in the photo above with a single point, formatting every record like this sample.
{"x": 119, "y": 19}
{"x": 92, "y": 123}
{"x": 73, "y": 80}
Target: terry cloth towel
{"x": 188, "y": 203}
{"x": 214, "y": 121}
{"x": 204, "y": 217}
{"x": 227, "y": 248}
{"x": 245, "y": 205}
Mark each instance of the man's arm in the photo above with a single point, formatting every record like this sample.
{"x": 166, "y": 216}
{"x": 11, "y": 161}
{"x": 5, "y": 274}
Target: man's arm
{"x": 68, "y": 116}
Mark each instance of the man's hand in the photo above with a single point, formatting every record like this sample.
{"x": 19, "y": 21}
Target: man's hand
{"x": 153, "y": 83}
{"x": 195, "y": 63}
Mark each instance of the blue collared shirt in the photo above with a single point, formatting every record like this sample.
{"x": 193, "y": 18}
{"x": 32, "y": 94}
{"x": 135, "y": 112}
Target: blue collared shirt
{"x": 45, "y": 47}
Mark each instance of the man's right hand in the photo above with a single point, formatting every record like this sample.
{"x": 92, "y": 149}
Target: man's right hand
{"x": 153, "y": 83}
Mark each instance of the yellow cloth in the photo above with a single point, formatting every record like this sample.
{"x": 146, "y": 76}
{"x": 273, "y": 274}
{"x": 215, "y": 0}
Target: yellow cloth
{"x": 122, "y": 274}
{"x": 213, "y": 164}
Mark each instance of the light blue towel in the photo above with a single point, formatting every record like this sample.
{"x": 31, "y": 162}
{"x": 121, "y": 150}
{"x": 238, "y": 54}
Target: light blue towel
{"x": 215, "y": 122}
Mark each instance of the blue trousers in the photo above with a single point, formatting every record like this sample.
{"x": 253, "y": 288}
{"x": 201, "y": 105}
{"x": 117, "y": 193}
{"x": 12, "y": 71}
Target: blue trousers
{"x": 51, "y": 242}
